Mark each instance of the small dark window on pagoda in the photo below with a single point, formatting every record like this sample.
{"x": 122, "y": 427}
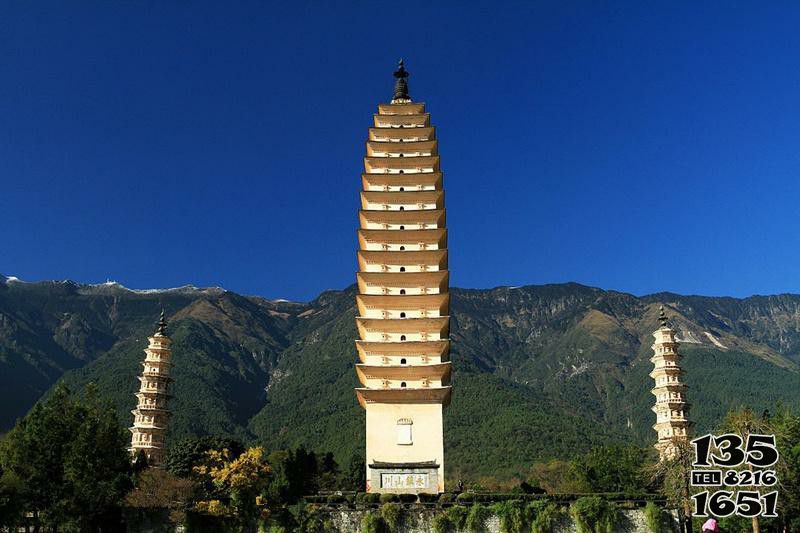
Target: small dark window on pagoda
{"x": 402, "y": 337}
{"x": 402, "y": 189}
{"x": 402, "y": 269}
{"x": 402, "y": 291}
{"x": 401, "y": 155}
{"x": 403, "y": 384}
{"x": 402, "y": 172}
{"x": 402, "y": 208}
{"x": 402, "y": 315}
{"x": 402, "y": 227}
{"x": 402, "y": 248}
{"x": 402, "y": 361}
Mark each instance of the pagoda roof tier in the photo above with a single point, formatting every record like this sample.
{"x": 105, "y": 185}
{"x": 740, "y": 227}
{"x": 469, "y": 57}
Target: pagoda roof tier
{"x": 157, "y": 362}
{"x": 152, "y": 394}
{"x": 666, "y": 357}
{"x": 670, "y": 387}
{"x": 668, "y": 405}
{"x": 435, "y": 278}
{"x": 427, "y": 216}
{"x": 418, "y": 257}
{"x": 406, "y": 134}
{"x": 405, "y": 395}
{"x": 439, "y": 302}
{"x": 402, "y": 121}
{"x": 375, "y": 148}
{"x": 414, "y": 108}
{"x": 440, "y": 371}
{"x": 373, "y": 164}
{"x": 406, "y": 349}
{"x": 156, "y": 376}
{"x": 666, "y": 371}
{"x": 142, "y": 446}
{"x": 151, "y": 412}
{"x": 148, "y": 426}
{"x": 402, "y": 198}
{"x": 140, "y": 411}
{"x": 675, "y": 422}
{"x": 440, "y": 325}
{"x": 417, "y": 179}
{"x": 436, "y": 236}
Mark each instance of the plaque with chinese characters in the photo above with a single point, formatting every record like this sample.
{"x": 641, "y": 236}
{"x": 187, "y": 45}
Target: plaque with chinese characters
{"x": 404, "y": 481}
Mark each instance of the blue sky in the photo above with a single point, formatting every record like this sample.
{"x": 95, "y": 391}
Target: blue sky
{"x": 628, "y": 146}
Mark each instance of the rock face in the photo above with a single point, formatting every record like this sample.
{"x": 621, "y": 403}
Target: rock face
{"x": 549, "y": 370}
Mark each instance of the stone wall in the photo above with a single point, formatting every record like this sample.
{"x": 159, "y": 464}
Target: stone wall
{"x": 420, "y": 520}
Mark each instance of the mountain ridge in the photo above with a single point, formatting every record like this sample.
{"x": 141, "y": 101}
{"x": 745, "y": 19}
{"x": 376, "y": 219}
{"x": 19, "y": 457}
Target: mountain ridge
{"x": 553, "y": 369}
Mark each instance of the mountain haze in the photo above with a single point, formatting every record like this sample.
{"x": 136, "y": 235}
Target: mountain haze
{"x": 539, "y": 371}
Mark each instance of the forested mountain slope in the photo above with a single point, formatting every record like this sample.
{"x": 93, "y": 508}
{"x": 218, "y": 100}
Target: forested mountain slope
{"x": 540, "y": 371}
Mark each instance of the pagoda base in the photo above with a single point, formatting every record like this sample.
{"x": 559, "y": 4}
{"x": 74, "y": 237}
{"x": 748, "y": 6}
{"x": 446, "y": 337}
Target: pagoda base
{"x": 407, "y": 478}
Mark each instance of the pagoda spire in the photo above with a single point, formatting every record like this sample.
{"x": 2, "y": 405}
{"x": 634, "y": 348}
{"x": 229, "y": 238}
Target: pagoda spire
{"x": 662, "y": 317}
{"x": 151, "y": 415}
{"x": 401, "y": 95}
{"x": 162, "y": 324}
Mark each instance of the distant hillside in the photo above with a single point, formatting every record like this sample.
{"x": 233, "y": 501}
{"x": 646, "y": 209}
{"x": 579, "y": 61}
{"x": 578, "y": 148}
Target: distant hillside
{"x": 540, "y": 371}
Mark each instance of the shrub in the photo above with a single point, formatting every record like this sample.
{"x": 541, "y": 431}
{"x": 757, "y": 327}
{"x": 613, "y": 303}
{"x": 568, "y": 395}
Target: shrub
{"x": 512, "y": 517}
{"x": 387, "y": 498}
{"x": 543, "y": 516}
{"x": 372, "y": 497}
{"x": 466, "y": 497}
{"x": 593, "y": 514}
{"x": 654, "y": 518}
{"x": 447, "y": 497}
{"x": 458, "y": 516}
{"x": 477, "y": 517}
{"x": 407, "y": 498}
{"x": 336, "y": 498}
{"x": 425, "y": 497}
{"x": 442, "y": 524}
{"x": 392, "y": 514}
{"x": 373, "y": 523}
{"x": 311, "y": 520}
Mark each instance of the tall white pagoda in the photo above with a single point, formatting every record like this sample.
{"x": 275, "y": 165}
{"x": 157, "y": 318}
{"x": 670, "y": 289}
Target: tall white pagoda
{"x": 403, "y": 299}
{"x": 151, "y": 415}
{"x": 671, "y": 408}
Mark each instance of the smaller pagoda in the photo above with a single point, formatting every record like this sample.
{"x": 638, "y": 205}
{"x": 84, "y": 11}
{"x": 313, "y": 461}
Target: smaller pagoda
{"x": 151, "y": 415}
{"x": 671, "y": 409}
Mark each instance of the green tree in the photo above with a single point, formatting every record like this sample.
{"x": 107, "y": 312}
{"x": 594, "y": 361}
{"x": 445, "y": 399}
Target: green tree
{"x": 10, "y": 504}
{"x": 188, "y": 453}
{"x": 69, "y": 455}
{"x": 612, "y": 469}
{"x": 786, "y": 426}
{"x": 356, "y": 476}
{"x": 328, "y": 472}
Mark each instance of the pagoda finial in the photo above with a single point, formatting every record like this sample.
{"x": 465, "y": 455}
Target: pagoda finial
{"x": 401, "y": 85}
{"x": 162, "y": 324}
{"x": 662, "y": 317}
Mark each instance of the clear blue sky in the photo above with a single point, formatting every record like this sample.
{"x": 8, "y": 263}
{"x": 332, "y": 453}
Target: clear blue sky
{"x": 621, "y": 145}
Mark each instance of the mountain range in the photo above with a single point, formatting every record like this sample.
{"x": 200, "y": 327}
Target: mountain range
{"x": 540, "y": 372}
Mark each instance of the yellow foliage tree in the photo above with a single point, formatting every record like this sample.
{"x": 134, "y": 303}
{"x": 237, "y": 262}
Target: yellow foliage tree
{"x": 241, "y": 480}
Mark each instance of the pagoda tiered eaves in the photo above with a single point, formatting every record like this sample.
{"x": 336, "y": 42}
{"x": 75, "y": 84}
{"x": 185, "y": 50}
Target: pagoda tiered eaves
{"x": 403, "y": 294}
{"x": 417, "y": 181}
{"x": 671, "y": 408}
{"x": 151, "y": 416}
{"x": 402, "y": 134}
